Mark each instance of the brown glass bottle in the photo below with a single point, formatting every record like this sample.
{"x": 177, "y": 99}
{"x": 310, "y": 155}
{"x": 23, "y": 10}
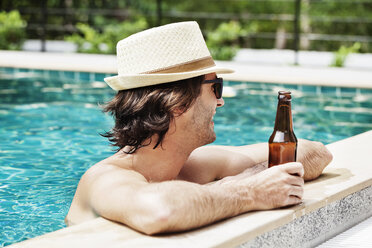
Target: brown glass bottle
{"x": 283, "y": 141}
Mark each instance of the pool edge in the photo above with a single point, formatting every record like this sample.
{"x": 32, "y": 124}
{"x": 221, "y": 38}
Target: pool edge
{"x": 237, "y": 230}
{"x": 324, "y": 76}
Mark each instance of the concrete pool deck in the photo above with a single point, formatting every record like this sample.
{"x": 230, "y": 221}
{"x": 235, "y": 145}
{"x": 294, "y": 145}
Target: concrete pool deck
{"x": 324, "y": 76}
{"x": 340, "y": 198}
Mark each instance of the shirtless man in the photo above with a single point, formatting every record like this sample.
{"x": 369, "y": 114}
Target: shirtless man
{"x": 163, "y": 178}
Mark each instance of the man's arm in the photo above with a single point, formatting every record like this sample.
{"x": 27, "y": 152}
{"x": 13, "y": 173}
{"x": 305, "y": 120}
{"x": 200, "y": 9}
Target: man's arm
{"x": 314, "y": 156}
{"x": 210, "y": 163}
{"x": 125, "y": 196}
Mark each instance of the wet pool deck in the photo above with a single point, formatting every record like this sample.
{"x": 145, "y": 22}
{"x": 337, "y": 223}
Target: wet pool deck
{"x": 340, "y": 198}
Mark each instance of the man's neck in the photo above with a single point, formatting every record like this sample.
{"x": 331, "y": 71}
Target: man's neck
{"x": 160, "y": 164}
{"x": 165, "y": 161}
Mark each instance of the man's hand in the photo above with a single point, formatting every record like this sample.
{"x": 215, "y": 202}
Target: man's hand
{"x": 271, "y": 188}
{"x": 278, "y": 186}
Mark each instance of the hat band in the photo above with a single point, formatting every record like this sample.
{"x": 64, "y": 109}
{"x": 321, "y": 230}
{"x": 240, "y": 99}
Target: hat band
{"x": 193, "y": 65}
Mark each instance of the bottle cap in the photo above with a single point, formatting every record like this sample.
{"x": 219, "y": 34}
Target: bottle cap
{"x": 284, "y": 95}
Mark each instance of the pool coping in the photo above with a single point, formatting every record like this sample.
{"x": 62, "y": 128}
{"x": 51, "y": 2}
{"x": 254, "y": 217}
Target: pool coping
{"x": 348, "y": 173}
{"x": 98, "y": 63}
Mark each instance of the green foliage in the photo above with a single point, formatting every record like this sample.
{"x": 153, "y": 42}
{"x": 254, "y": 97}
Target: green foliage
{"x": 113, "y": 33}
{"x": 12, "y": 33}
{"x": 223, "y": 42}
{"x": 340, "y": 18}
{"x": 340, "y": 56}
{"x": 89, "y": 42}
{"x": 92, "y": 41}
{"x": 328, "y": 17}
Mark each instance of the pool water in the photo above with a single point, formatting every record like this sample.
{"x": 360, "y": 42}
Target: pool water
{"x": 50, "y": 125}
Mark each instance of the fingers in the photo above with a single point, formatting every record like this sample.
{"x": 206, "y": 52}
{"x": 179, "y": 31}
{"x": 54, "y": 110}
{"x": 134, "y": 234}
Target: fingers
{"x": 295, "y": 180}
{"x": 280, "y": 185}
{"x": 296, "y": 191}
{"x": 292, "y": 200}
{"x": 293, "y": 168}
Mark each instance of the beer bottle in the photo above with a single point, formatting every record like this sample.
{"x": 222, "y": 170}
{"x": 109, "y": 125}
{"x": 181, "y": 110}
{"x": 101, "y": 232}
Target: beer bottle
{"x": 283, "y": 141}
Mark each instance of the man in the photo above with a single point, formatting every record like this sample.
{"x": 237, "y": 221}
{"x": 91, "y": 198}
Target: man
{"x": 162, "y": 178}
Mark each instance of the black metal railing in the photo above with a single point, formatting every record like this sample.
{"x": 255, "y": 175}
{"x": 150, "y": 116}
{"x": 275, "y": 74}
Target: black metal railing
{"x": 41, "y": 27}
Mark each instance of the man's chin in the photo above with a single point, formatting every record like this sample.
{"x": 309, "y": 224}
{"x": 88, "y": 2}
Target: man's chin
{"x": 212, "y": 138}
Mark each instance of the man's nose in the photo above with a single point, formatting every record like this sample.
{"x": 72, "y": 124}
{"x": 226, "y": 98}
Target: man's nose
{"x": 220, "y": 102}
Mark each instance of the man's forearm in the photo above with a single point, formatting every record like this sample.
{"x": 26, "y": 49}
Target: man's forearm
{"x": 247, "y": 172}
{"x": 190, "y": 205}
{"x": 313, "y": 155}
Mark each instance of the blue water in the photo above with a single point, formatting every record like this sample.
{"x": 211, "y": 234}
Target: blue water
{"x": 49, "y": 137}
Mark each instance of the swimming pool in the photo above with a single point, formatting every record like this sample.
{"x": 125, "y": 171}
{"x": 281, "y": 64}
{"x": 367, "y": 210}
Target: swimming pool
{"x": 50, "y": 123}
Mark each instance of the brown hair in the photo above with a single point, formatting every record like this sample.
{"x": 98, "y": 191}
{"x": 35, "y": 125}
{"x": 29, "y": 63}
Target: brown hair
{"x": 143, "y": 112}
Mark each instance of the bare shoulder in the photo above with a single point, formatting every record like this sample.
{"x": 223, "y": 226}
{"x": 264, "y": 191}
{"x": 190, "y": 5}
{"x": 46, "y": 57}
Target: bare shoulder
{"x": 103, "y": 170}
{"x": 105, "y": 177}
{"x": 206, "y": 153}
{"x": 201, "y": 165}
{"x": 94, "y": 186}
{"x": 209, "y": 163}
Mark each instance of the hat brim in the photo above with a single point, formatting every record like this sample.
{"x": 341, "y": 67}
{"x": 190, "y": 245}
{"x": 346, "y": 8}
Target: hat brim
{"x": 131, "y": 81}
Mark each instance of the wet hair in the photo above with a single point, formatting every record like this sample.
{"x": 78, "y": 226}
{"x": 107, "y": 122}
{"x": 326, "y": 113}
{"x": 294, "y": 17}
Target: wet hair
{"x": 141, "y": 113}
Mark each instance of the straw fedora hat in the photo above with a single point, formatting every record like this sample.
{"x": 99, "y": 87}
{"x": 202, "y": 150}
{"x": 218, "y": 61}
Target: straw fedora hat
{"x": 161, "y": 55}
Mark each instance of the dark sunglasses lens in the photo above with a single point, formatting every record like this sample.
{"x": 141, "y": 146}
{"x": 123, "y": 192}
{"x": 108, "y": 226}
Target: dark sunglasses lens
{"x": 218, "y": 90}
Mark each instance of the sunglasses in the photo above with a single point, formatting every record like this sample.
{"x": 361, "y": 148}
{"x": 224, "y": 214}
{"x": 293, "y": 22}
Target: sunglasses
{"x": 217, "y": 86}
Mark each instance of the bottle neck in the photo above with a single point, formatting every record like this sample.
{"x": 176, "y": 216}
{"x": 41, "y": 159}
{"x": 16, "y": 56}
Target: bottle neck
{"x": 283, "y": 120}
